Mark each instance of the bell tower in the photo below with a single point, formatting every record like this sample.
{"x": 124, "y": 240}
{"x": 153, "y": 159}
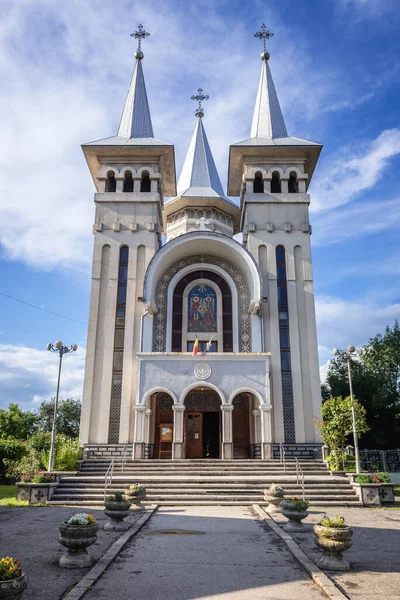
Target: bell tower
{"x": 132, "y": 171}
{"x": 271, "y": 173}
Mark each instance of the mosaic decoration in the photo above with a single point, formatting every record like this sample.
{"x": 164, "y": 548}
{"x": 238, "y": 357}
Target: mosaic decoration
{"x": 288, "y": 408}
{"x": 115, "y": 408}
{"x": 202, "y": 309}
{"x": 160, "y": 328}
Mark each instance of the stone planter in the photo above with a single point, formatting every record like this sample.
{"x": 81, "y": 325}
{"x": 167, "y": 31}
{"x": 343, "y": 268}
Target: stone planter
{"x": 333, "y": 541}
{"x": 35, "y": 493}
{"x": 274, "y": 499}
{"x": 13, "y": 588}
{"x": 116, "y": 511}
{"x": 136, "y": 497}
{"x": 375, "y": 494}
{"x": 77, "y": 538}
{"x": 294, "y": 516}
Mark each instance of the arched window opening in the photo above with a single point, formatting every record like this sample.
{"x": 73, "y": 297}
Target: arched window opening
{"x": 111, "y": 184}
{"x": 163, "y": 431}
{"x": 258, "y": 187}
{"x": 128, "y": 182}
{"x": 145, "y": 183}
{"x": 293, "y": 183}
{"x": 276, "y": 183}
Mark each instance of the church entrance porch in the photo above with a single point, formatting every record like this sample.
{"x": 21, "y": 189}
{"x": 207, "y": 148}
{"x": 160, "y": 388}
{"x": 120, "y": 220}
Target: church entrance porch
{"x": 203, "y": 433}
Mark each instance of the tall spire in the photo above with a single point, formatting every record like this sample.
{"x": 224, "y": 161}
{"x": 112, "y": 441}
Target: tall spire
{"x": 268, "y": 121}
{"x": 199, "y": 176}
{"x": 136, "y": 120}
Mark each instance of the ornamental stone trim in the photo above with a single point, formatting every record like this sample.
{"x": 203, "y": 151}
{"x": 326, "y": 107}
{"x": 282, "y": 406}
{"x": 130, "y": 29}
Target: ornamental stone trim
{"x": 202, "y": 371}
{"x": 160, "y": 328}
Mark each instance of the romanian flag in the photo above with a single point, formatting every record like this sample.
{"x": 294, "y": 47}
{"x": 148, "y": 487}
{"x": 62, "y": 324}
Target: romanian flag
{"x": 195, "y": 347}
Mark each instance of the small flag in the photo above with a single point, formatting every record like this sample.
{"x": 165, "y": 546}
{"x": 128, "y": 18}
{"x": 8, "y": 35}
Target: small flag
{"x": 195, "y": 347}
{"x": 208, "y": 345}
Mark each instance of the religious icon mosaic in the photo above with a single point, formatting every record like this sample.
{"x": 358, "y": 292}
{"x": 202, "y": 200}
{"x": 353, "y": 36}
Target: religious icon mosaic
{"x": 202, "y": 309}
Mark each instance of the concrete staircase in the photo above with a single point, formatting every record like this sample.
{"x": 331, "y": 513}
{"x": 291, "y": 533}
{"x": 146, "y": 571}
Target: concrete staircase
{"x": 204, "y": 482}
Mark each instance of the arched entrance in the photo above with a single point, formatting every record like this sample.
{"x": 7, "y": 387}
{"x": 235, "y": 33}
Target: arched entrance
{"x": 203, "y": 424}
{"x": 240, "y": 427}
{"x": 163, "y": 426}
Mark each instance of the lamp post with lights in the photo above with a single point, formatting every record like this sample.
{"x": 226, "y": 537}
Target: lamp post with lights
{"x": 348, "y": 354}
{"x": 61, "y": 350}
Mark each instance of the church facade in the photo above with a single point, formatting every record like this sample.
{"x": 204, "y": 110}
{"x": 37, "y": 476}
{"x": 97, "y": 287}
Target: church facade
{"x": 254, "y": 382}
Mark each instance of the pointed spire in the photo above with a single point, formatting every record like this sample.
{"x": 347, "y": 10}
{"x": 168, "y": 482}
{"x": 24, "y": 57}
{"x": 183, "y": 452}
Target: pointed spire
{"x": 136, "y": 120}
{"x": 199, "y": 176}
{"x": 268, "y": 121}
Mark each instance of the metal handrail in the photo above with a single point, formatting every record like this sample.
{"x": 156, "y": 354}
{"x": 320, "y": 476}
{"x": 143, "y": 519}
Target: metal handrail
{"x": 108, "y": 477}
{"x": 124, "y": 455}
{"x": 282, "y": 456}
{"x": 300, "y": 477}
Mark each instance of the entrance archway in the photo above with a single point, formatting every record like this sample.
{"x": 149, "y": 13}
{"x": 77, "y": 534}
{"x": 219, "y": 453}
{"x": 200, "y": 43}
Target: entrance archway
{"x": 240, "y": 427}
{"x": 203, "y": 424}
{"x": 163, "y": 430}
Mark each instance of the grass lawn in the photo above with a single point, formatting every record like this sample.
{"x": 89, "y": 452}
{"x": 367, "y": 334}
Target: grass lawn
{"x": 8, "y": 499}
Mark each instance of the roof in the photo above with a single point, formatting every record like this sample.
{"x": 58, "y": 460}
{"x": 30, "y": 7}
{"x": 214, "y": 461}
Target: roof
{"x": 268, "y": 121}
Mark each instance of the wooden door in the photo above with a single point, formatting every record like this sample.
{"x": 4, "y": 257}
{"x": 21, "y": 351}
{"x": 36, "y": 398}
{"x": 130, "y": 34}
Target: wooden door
{"x": 240, "y": 427}
{"x": 194, "y": 435}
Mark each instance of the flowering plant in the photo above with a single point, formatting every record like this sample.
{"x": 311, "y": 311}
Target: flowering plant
{"x": 26, "y": 477}
{"x": 9, "y": 568}
{"x": 136, "y": 487}
{"x": 38, "y": 477}
{"x": 298, "y": 504}
{"x": 81, "y": 519}
{"x": 336, "y": 522}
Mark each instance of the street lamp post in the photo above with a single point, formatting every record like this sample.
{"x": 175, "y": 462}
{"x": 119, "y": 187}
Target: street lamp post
{"x": 61, "y": 350}
{"x": 351, "y": 352}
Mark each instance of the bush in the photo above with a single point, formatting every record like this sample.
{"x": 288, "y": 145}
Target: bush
{"x": 384, "y": 477}
{"x": 37, "y": 453}
{"x": 10, "y": 452}
{"x": 339, "y": 461}
{"x": 380, "y": 477}
{"x": 363, "y": 479}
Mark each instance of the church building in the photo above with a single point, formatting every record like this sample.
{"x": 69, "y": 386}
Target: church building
{"x": 168, "y": 270}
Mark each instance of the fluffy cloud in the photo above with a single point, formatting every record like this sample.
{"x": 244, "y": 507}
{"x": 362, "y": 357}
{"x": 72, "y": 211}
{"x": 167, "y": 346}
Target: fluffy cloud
{"x": 28, "y": 375}
{"x": 348, "y": 174}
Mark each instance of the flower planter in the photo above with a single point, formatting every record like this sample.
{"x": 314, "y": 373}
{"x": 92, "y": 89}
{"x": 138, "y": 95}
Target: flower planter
{"x": 295, "y": 515}
{"x": 333, "y": 541}
{"x": 13, "y": 588}
{"x": 116, "y": 511}
{"x": 136, "y": 497}
{"x": 274, "y": 499}
{"x": 375, "y": 494}
{"x": 35, "y": 493}
{"x": 77, "y": 538}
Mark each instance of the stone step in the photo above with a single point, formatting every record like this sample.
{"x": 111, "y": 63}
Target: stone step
{"x": 205, "y": 490}
{"x": 209, "y": 502}
{"x": 184, "y": 486}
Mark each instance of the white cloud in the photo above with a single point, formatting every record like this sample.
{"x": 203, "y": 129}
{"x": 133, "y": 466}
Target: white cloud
{"x": 346, "y": 175}
{"x": 29, "y": 375}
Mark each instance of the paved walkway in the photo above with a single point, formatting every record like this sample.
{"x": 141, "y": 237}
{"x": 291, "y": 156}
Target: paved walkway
{"x": 206, "y": 553}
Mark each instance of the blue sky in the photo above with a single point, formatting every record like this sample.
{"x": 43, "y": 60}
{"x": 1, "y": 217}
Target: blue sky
{"x": 65, "y": 69}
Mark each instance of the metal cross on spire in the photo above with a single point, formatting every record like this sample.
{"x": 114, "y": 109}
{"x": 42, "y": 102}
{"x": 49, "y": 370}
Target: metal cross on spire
{"x": 199, "y": 97}
{"x": 264, "y": 35}
{"x": 140, "y": 35}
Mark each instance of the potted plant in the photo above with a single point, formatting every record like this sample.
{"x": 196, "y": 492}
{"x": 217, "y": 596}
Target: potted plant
{"x": 35, "y": 488}
{"x": 136, "y": 493}
{"x": 274, "y": 496}
{"x": 295, "y": 510}
{"x": 333, "y": 536}
{"x": 375, "y": 489}
{"x": 12, "y": 580}
{"x": 116, "y": 508}
{"x": 77, "y": 534}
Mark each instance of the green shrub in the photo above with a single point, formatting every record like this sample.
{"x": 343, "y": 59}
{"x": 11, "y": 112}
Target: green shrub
{"x": 37, "y": 453}
{"x": 339, "y": 461}
{"x": 67, "y": 453}
{"x": 384, "y": 477}
{"x": 10, "y": 452}
{"x": 363, "y": 479}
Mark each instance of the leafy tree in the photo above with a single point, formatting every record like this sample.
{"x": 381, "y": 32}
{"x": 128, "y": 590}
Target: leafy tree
{"x": 376, "y": 383}
{"x": 68, "y": 416}
{"x": 16, "y": 423}
{"x": 337, "y": 423}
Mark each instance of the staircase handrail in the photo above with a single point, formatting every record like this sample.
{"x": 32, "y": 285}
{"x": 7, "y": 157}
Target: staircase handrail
{"x": 124, "y": 455}
{"x": 300, "y": 477}
{"x": 108, "y": 477}
{"x": 282, "y": 456}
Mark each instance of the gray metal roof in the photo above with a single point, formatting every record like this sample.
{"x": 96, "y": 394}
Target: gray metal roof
{"x": 268, "y": 120}
{"x": 283, "y": 141}
{"x": 117, "y": 140}
{"x": 136, "y": 120}
{"x": 199, "y": 176}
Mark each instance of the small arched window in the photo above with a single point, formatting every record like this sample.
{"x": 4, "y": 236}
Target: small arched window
{"x": 111, "y": 184}
{"x": 276, "y": 183}
{"x": 145, "y": 183}
{"x": 128, "y": 182}
{"x": 258, "y": 187}
{"x": 293, "y": 183}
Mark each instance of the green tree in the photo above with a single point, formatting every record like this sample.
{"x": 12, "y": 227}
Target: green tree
{"x": 16, "y": 423}
{"x": 376, "y": 383}
{"x": 337, "y": 423}
{"x": 68, "y": 416}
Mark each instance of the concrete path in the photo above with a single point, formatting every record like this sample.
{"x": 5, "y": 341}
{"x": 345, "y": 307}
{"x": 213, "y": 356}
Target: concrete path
{"x": 216, "y": 553}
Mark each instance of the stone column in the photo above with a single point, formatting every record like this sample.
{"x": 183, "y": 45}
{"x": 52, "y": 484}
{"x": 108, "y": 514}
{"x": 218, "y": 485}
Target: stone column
{"x": 139, "y": 431}
{"x": 147, "y": 428}
{"x": 266, "y": 441}
{"x": 227, "y": 441}
{"x": 256, "y": 421}
{"x": 178, "y": 450}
